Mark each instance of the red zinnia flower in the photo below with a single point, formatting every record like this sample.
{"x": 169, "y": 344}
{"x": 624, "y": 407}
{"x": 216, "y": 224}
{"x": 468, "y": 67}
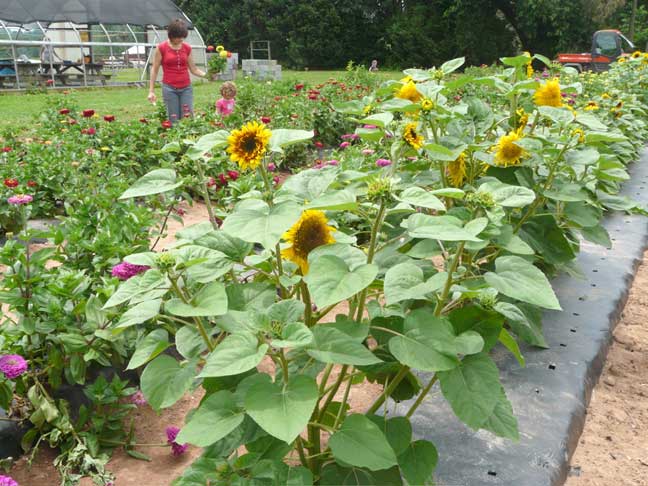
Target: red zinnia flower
{"x": 109, "y": 118}
{"x": 64, "y": 111}
{"x": 88, "y": 113}
{"x": 222, "y": 179}
{"x": 31, "y": 184}
{"x": 312, "y": 96}
{"x": 299, "y": 87}
{"x": 6, "y": 149}
{"x": 143, "y": 120}
{"x": 210, "y": 48}
{"x": 166, "y": 124}
{"x": 232, "y": 174}
{"x": 72, "y": 121}
{"x": 319, "y": 145}
{"x": 211, "y": 182}
{"x": 49, "y": 82}
{"x": 266, "y": 119}
{"x": 11, "y": 182}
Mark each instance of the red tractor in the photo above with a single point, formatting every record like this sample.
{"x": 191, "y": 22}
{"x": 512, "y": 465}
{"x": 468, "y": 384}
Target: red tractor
{"x": 607, "y": 47}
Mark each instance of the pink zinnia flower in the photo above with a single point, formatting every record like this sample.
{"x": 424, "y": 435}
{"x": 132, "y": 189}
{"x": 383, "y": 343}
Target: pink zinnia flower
{"x": 7, "y": 481}
{"x": 125, "y": 270}
{"x": 90, "y": 151}
{"x": 368, "y": 152}
{"x": 211, "y": 182}
{"x": 333, "y": 162}
{"x": 344, "y": 145}
{"x": 20, "y": 199}
{"x": 275, "y": 180}
{"x": 271, "y": 167}
{"x": 383, "y": 162}
{"x": 370, "y": 127}
{"x": 138, "y": 398}
{"x": 222, "y": 179}
{"x": 12, "y": 365}
{"x": 176, "y": 449}
{"x": 347, "y": 136}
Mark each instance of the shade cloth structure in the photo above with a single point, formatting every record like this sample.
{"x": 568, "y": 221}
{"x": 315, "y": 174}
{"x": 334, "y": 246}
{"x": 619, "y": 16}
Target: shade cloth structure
{"x": 134, "y": 12}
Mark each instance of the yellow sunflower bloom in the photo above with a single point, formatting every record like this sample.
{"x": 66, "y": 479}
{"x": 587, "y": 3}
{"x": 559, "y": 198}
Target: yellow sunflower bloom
{"x": 412, "y": 137}
{"x": 409, "y": 92}
{"x": 508, "y": 153}
{"x": 636, "y": 54}
{"x": 621, "y": 60}
{"x": 247, "y": 145}
{"x": 523, "y": 118}
{"x": 578, "y": 132}
{"x": 219, "y": 48}
{"x": 548, "y": 94}
{"x": 456, "y": 171}
{"x": 427, "y": 104}
{"x": 309, "y": 232}
{"x": 605, "y": 96}
{"x": 591, "y": 106}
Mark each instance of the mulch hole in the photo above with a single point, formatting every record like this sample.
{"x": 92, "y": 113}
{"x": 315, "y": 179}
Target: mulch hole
{"x": 563, "y": 345}
{"x": 552, "y": 366}
{"x": 572, "y": 330}
{"x": 492, "y": 473}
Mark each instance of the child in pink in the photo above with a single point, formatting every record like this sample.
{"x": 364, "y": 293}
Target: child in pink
{"x": 225, "y": 106}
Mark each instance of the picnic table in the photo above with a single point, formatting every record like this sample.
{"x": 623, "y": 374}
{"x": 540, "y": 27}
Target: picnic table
{"x": 65, "y": 73}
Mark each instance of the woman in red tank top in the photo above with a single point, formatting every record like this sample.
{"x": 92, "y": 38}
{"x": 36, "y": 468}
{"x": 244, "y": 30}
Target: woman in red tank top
{"x": 174, "y": 55}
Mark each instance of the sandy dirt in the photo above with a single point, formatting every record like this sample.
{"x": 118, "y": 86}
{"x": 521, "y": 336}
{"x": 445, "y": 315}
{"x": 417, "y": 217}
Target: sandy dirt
{"x": 613, "y": 450}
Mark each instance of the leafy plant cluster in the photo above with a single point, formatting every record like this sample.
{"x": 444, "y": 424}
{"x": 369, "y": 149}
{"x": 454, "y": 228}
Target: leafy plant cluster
{"x": 406, "y": 272}
{"x": 404, "y": 263}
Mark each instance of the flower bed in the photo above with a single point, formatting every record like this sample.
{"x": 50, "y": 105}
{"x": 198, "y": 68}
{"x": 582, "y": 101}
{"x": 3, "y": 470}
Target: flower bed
{"x": 436, "y": 221}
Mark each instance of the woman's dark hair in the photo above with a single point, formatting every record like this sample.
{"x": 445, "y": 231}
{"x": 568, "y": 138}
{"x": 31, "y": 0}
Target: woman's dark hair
{"x": 177, "y": 29}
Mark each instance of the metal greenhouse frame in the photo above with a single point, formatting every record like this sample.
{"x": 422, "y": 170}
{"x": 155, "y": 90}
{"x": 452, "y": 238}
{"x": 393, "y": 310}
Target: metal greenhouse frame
{"x": 88, "y": 71}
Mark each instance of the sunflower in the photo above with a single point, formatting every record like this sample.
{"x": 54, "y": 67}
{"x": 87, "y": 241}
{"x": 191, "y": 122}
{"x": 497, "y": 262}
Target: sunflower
{"x": 578, "y": 132}
{"x": 621, "y": 60}
{"x": 636, "y": 54}
{"x": 412, "y": 137}
{"x": 548, "y": 94}
{"x": 456, "y": 171}
{"x": 591, "y": 106}
{"x": 427, "y": 104}
{"x": 219, "y": 48}
{"x": 508, "y": 153}
{"x": 523, "y": 118}
{"x": 409, "y": 92}
{"x": 309, "y": 232}
{"x": 247, "y": 145}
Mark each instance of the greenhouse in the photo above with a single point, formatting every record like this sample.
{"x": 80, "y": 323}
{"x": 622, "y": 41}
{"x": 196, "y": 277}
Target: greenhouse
{"x": 62, "y": 43}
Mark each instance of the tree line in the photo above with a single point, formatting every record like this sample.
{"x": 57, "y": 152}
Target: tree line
{"x": 404, "y": 33}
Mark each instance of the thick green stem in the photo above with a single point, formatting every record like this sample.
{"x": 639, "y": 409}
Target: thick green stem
{"x": 308, "y": 305}
{"x": 345, "y": 399}
{"x": 375, "y": 229}
{"x": 448, "y": 284}
{"x": 389, "y": 390}
{"x": 334, "y": 389}
{"x": 197, "y": 320}
{"x": 421, "y": 396}
{"x": 205, "y": 195}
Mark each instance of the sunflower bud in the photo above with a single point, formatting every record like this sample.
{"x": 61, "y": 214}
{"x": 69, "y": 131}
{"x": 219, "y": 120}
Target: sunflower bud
{"x": 379, "y": 189}
{"x": 165, "y": 261}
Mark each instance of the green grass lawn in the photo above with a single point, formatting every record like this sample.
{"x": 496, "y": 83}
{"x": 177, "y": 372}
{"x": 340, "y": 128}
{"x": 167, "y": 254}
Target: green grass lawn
{"x": 19, "y": 109}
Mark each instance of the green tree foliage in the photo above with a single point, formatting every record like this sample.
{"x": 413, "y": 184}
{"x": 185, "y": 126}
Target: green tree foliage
{"x": 329, "y": 33}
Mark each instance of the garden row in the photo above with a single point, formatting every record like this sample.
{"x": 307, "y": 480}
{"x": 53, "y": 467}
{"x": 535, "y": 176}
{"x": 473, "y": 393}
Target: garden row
{"x": 436, "y": 220}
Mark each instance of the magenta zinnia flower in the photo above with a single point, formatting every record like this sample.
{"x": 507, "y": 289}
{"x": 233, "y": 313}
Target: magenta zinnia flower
{"x": 344, "y": 145}
{"x": 383, "y": 162}
{"x": 176, "y": 449}
{"x": 125, "y": 270}
{"x": 19, "y": 199}
{"x": 333, "y": 162}
{"x": 12, "y": 365}
{"x": 7, "y": 481}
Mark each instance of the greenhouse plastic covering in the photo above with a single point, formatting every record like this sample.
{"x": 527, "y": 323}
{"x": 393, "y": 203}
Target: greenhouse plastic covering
{"x": 135, "y": 12}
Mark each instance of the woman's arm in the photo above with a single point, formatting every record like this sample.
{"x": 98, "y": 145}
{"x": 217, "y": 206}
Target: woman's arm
{"x": 157, "y": 61}
{"x": 193, "y": 68}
